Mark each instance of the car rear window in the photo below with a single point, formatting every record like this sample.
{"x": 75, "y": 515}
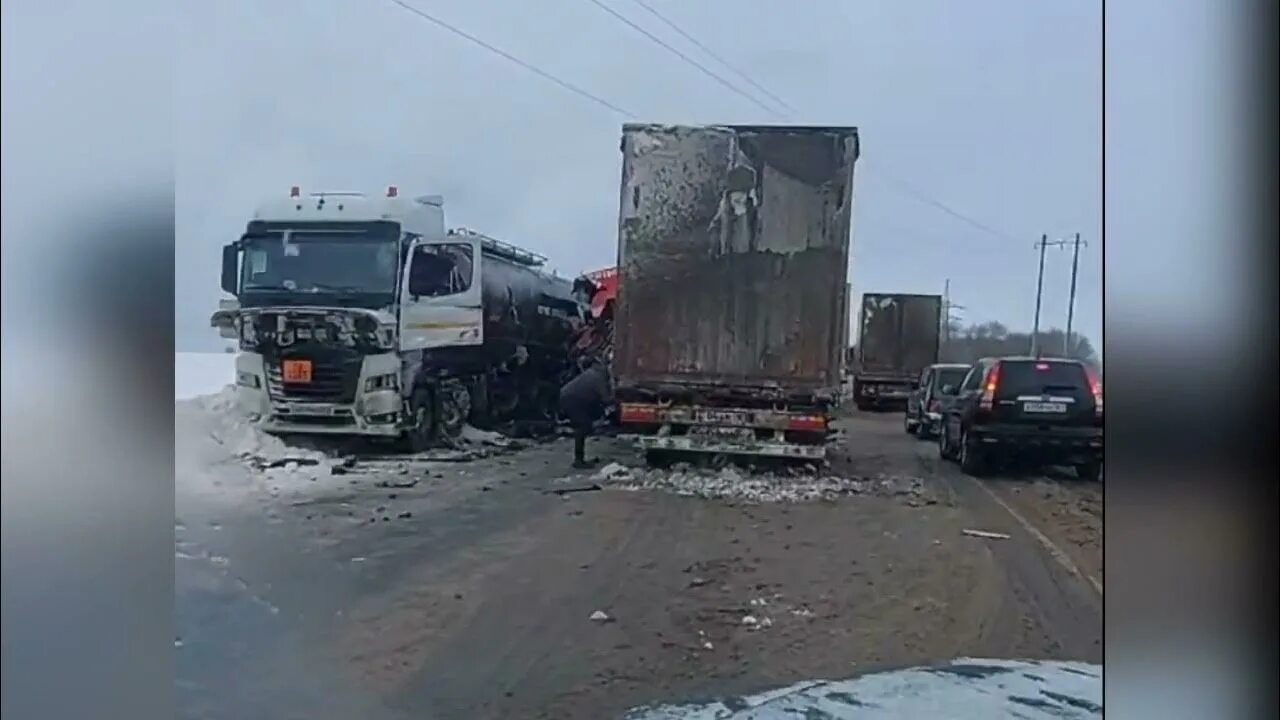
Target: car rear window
{"x": 950, "y": 376}
{"x": 1018, "y": 377}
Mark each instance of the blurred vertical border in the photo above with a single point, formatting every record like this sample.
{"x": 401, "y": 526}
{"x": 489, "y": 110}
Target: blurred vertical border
{"x": 1190, "y": 332}
{"x": 88, "y": 246}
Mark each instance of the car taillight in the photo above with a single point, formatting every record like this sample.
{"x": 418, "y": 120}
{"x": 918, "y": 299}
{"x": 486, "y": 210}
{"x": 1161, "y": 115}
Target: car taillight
{"x": 807, "y": 422}
{"x": 989, "y": 385}
{"x": 934, "y": 405}
{"x": 1095, "y": 387}
{"x": 632, "y": 413}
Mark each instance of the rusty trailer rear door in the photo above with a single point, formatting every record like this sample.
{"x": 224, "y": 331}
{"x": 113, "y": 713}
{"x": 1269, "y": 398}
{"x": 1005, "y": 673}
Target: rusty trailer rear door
{"x": 733, "y": 254}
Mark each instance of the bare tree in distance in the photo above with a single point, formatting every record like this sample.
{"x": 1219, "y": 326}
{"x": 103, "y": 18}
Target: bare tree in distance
{"x": 969, "y": 343}
{"x": 993, "y": 339}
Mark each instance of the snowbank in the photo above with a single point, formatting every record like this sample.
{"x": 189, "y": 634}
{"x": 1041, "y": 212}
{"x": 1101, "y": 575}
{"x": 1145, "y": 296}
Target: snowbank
{"x": 196, "y": 374}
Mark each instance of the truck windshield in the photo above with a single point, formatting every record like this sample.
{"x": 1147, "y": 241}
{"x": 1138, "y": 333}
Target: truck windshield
{"x": 319, "y": 261}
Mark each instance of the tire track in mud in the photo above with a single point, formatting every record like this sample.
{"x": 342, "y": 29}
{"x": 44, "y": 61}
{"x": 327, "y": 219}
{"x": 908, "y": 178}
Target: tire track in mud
{"x": 518, "y": 600}
{"x": 1047, "y": 608}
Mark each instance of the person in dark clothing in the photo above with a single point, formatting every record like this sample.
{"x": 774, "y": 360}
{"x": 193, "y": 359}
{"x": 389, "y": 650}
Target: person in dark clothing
{"x": 583, "y": 400}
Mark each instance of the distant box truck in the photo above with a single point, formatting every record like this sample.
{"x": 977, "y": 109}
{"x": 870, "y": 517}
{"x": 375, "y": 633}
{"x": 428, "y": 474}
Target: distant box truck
{"x": 733, "y": 249}
{"x": 897, "y": 339}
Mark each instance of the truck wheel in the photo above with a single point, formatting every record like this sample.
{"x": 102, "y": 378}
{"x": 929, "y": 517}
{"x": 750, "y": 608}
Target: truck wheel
{"x": 455, "y": 408}
{"x": 1089, "y": 472}
{"x": 971, "y": 460}
{"x": 420, "y": 435}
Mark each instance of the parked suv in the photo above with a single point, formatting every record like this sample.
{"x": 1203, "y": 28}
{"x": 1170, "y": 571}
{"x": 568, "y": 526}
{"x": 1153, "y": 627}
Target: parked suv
{"x": 924, "y": 404}
{"x": 1033, "y": 411}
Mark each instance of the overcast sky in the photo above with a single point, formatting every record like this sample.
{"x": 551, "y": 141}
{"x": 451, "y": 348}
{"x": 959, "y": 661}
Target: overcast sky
{"x": 991, "y": 109}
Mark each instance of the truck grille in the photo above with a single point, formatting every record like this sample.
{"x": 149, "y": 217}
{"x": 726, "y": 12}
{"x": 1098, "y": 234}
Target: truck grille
{"x": 334, "y": 378}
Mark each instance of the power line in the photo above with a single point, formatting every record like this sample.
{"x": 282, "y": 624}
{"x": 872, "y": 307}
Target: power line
{"x": 508, "y": 56}
{"x": 924, "y": 197}
{"x": 901, "y": 184}
{"x": 709, "y": 73}
{"x": 684, "y": 34}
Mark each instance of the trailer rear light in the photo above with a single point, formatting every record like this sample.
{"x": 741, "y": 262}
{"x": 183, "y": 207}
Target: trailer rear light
{"x": 633, "y": 413}
{"x": 807, "y": 422}
{"x": 989, "y": 386}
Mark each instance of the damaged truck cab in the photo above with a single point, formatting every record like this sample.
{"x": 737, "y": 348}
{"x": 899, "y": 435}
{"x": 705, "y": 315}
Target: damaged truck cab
{"x": 365, "y": 316}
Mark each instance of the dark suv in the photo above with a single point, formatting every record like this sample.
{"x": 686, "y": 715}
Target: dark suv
{"x": 1030, "y": 411}
{"x": 924, "y": 404}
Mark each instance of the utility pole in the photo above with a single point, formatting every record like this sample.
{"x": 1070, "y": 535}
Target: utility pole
{"x": 1035, "y": 331}
{"x": 1071, "y": 303}
{"x": 946, "y": 312}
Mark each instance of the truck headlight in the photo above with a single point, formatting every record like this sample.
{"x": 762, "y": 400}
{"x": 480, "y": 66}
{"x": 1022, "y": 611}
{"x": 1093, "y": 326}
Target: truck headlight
{"x": 389, "y": 381}
{"x": 248, "y": 379}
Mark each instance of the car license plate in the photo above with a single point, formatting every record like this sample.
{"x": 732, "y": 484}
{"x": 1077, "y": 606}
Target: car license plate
{"x": 297, "y": 371}
{"x": 1044, "y": 407}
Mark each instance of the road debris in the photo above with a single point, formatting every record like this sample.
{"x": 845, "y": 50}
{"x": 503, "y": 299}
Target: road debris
{"x": 732, "y": 484}
{"x": 476, "y": 436}
{"x": 985, "y": 534}
{"x": 600, "y": 616}
{"x": 562, "y": 491}
{"x": 614, "y": 471}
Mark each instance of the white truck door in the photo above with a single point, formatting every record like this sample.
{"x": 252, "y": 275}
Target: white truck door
{"x": 440, "y": 295}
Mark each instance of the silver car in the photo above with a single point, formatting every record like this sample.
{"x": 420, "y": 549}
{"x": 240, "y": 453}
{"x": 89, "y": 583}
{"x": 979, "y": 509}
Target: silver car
{"x": 923, "y": 405}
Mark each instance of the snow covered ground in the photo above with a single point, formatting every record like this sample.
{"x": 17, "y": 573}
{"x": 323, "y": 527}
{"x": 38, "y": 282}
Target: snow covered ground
{"x": 220, "y": 456}
{"x": 196, "y": 374}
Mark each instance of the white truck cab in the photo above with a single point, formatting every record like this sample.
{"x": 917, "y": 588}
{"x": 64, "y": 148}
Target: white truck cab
{"x": 363, "y": 315}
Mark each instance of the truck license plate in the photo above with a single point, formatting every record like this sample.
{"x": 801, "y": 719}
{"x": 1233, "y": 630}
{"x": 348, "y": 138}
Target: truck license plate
{"x": 1044, "y": 407}
{"x": 297, "y": 371}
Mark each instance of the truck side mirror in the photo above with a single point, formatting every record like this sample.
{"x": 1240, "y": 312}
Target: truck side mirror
{"x": 230, "y": 268}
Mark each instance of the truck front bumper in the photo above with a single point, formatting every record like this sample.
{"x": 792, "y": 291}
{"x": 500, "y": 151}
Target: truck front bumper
{"x": 377, "y": 413}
